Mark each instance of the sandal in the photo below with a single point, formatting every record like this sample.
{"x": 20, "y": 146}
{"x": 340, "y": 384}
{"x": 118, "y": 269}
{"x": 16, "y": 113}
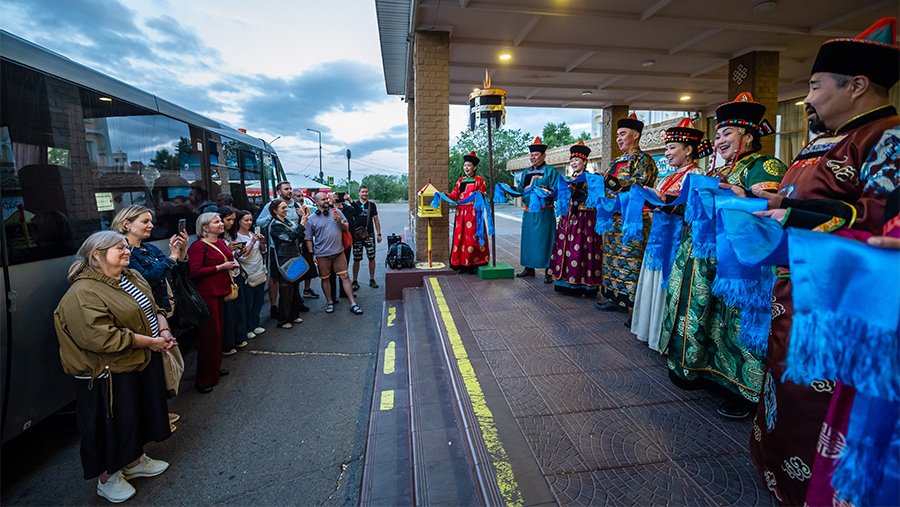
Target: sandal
{"x": 329, "y": 308}
{"x": 355, "y": 309}
{"x": 173, "y": 417}
{"x": 172, "y": 428}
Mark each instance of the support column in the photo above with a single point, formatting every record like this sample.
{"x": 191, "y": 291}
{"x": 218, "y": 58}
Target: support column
{"x": 411, "y": 143}
{"x": 610, "y": 150}
{"x": 757, "y": 72}
{"x": 431, "y": 67}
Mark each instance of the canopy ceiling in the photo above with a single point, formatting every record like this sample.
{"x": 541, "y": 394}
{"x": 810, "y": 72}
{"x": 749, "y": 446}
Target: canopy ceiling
{"x": 595, "y": 53}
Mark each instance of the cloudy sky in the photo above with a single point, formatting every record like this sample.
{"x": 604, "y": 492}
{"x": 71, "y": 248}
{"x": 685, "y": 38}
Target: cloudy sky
{"x": 273, "y": 67}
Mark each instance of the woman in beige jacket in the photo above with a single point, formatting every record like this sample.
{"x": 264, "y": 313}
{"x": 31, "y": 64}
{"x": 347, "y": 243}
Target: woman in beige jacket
{"x": 110, "y": 335}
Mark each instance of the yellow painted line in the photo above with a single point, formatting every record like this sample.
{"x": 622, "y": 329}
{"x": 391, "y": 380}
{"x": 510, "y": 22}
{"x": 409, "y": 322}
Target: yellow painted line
{"x": 392, "y": 315}
{"x": 387, "y": 400}
{"x": 390, "y": 358}
{"x": 506, "y": 480}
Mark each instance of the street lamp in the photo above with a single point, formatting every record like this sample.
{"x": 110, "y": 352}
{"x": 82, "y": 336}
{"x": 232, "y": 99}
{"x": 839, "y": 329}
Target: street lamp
{"x": 273, "y": 140}
{"x": 321, "y": 174}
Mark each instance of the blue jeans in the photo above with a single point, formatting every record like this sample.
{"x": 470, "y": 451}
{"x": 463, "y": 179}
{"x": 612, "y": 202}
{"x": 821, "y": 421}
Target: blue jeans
{"x": 253, "y": 303}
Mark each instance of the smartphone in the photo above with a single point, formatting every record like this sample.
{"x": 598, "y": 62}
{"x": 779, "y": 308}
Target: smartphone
{"x": 182, "y": 225}
{"x": 256, "y": 231}
{"x": 340, "y": 196}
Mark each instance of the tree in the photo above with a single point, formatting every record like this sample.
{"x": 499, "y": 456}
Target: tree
{"x": 384, "y": 188}
{"x": 559, "y": 134}
{"x": 507, "y": 144}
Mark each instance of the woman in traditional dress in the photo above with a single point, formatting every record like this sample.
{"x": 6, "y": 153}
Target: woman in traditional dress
{"x": 575, "y": 264}
{"x": 684, "y": 144}
{"x": 700, "y": 332}
{"x": 467, "y": 252}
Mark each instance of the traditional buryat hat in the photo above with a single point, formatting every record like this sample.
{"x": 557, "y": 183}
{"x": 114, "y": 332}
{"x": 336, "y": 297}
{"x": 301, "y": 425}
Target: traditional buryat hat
{"x": 685, "y": 133}
{"x": 873, "y": 54}
{"x": 471, "y": 158}
{"x": 537, "y": 146}
{"x": 579, "y": 150}
{"x": 631, "y": 123}
{"x": 744, "y": 112}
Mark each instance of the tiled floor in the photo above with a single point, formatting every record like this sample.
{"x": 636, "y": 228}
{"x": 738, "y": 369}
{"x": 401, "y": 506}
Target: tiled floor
{"x": 595, "y": 407}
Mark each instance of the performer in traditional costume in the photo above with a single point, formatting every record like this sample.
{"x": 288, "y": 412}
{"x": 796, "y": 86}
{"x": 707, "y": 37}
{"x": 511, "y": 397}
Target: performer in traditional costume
{"x": 467, "y": 253}
{"x": 684, "y": 145}
{"x": 537, "y": 224}
{"x": 622, "y": 262}
{"x": 857, "y": 161}
{"x": 577, "y": 251}
{"x": 700, "y": 332}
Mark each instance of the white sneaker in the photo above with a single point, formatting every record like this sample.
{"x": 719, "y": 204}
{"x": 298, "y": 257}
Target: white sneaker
{"x": 259, "y": 330}
{"x": 251, "y": 335}
{"x": 286, "y": 325}
{"x": 116, "y": 489}
{"x": 146, "y": 467}
{"x": 298, "y": 320}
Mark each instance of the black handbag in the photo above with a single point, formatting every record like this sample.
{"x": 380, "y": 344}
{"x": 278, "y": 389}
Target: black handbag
{"x": 191, "y": 311}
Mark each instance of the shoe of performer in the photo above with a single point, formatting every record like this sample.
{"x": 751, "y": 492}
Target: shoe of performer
{"x": 230, "y": 352}
{"x": 243, "y": 344}
{"x": 525, "y": 273}
{"x": 608, "y": 306}
{"x": 146, "y": 467}
{"x": 547, "y": 278}
{"x": 259, "y": 330}
{"x": 251, "y": 335}
{"x": 116, "y": 489}
{"x": 298, "y": 320}
{"x": 732, "y": 410}
{"x": 286, "y": 325}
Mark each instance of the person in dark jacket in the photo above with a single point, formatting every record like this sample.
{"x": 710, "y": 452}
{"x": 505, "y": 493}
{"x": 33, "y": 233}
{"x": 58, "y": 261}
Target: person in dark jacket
{"x": 286, "y": 237}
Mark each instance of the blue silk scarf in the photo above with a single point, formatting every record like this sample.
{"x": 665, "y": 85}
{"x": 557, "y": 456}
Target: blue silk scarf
{"x": 662, "y": 244}
{"x": 638, "y": 197}
{"x": 747, "y": 287}
{"x": 482, "y": 211}
{"x": 536, "y": 197}
{"x": 846, "y": 322}
{"x": 595, "y": 188}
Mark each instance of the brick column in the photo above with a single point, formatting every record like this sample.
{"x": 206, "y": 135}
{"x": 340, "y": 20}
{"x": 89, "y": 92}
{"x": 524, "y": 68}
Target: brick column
{"x": 610, "y": 150}
{"x": 431, "y": 79}
{"x": 757, "y": 72}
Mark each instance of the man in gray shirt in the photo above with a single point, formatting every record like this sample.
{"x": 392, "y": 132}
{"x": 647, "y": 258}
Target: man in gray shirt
{"x": 323, "y": 236}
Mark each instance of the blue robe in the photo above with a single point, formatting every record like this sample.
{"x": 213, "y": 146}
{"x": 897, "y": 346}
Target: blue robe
{"x": 538, "y": 226}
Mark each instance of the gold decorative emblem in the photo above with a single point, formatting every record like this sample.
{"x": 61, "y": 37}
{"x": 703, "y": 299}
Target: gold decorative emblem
{"x": 774, "y": 167}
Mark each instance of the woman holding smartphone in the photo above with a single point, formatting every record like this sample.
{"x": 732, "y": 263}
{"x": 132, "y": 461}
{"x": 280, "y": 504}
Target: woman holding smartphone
{"x": 286, "y": 237}
{"x": 251, "y": 260}
{"x": 235, "y": 336}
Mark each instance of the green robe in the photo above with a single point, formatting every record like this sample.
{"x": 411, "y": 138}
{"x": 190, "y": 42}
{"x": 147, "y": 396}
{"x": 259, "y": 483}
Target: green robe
{"x": 700, "y": 332}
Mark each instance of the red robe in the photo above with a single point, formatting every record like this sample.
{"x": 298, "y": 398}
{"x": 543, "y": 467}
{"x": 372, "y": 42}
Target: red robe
{"x": 466, "y": 251}
{"x": 859, "y": 166}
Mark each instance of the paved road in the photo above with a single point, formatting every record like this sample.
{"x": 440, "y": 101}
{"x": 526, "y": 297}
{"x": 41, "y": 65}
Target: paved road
{"x": 286, "y": 427}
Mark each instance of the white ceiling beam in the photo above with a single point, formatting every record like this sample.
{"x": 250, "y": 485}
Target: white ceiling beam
{"x": 694, "y": 40}
{"x": 742, "y": 52}
{"x": 653, "y": 9}
{"x": 582, "y": 86}
{"x": 682, "y": 21}
{"x": 857, "y": 12}
{"x": 525, "y": 30}
{"x": 608, "y": 81}
{"x": 590, "y": 72}
{"x": 596, "y": 48}
{"x": 636, "y": 96}
{"x": 463, "y": 3}
{"x": 578, "y": 61}
{"x": 533, "y": 93}
{"x": 709, "y": 68}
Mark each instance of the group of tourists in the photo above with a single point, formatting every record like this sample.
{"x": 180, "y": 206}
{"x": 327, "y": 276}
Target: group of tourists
{"x": 717, "y": 274}
{"x": 129, "y": 301}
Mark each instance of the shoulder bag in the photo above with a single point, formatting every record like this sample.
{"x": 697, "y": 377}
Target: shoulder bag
{"x": 362, "y": 232}
{"x": 231, "y": 296}
{"x": 292, "y": 269}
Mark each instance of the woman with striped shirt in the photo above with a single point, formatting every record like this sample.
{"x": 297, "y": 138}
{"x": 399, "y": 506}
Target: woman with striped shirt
{"x": 111, "y": 333}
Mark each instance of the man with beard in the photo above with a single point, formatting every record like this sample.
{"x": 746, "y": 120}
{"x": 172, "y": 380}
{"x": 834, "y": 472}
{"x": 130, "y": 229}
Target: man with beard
{"x": 847, "y": 173}
{"x": 538, "y": 225}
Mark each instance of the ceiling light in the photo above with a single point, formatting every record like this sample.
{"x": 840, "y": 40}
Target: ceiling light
{"x": 800, "y": 103}
{"x": 505, "y": 57}
{"x": 765, "y": 6}
{"x": 586, "y": 93}
{"x": 648, "y": 63}
{"x": 685, "y": 98}
{"x": 105, "y": 99}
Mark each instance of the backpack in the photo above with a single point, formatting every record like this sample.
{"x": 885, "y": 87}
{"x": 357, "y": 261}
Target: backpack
{"x": 400, "y": 256}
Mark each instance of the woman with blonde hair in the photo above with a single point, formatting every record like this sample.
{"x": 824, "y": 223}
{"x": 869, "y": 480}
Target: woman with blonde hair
{"x": 210, "y": 260}
{"x": 111, "y": 333}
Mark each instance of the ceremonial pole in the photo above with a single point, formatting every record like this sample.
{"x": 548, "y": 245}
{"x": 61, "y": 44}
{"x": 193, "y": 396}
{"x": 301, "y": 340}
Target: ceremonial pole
{"x": 488, "y": 105}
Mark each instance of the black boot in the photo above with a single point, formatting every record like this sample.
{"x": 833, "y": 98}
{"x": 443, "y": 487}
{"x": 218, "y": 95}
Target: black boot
{"x": 525, "y": 272}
